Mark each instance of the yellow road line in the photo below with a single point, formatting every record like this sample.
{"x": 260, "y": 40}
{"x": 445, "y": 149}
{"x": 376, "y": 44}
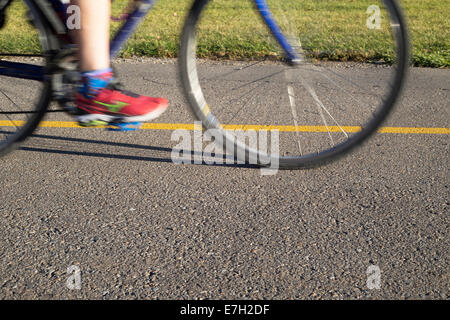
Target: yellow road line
{"x": 414, "y": 130}
{"x": 187, "y": 126}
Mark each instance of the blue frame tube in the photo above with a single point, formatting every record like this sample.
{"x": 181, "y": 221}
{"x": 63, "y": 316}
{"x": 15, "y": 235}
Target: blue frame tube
{"x": 20, "y": 66}
{"x": 264, "y": 10}
{"x": 23, "y": 72}
{"x": 133, "y": 21}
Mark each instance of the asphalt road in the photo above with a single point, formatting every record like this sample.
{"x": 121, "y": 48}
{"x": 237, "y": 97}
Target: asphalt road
{"x": 139, "y": 226}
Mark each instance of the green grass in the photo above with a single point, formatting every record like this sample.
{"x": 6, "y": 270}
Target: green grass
{"x": 231, "y": 29}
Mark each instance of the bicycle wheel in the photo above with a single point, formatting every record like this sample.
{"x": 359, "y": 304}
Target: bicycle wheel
{"x": 25, "y": 91}
{"x": 316, "y": 108}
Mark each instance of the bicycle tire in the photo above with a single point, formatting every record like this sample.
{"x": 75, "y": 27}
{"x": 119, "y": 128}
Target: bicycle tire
{"x": 193, "y": 91}
{"x": 48, "y": 43}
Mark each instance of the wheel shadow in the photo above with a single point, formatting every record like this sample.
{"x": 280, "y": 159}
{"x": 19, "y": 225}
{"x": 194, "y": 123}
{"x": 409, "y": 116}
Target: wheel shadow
{"x": 222, "y": 160}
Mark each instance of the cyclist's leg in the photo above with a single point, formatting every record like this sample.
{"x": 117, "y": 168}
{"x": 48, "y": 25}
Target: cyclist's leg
{"x": 93, "y": 37}
{"x": 98, "y": 98}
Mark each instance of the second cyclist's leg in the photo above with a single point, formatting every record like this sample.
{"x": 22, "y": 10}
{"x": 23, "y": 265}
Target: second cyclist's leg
{"x": 98, "y": 98}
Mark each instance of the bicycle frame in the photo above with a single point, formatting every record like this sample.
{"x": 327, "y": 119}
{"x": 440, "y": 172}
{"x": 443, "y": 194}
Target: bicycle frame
{"x": 41, "y": 8}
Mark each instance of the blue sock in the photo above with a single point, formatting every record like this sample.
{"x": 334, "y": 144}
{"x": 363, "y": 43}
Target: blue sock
{"x": 94, "y": 81}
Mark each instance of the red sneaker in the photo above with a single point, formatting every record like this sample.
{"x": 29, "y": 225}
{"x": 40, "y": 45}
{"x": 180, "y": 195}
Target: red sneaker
{"x": 112, "y": 104}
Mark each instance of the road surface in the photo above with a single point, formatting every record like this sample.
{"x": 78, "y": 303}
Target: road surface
{"x": 139, "y": 226}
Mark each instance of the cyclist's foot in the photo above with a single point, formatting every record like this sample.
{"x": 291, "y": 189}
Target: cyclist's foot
{"x": 109, "y": 104}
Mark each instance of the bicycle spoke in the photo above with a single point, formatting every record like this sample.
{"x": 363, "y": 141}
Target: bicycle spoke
{"x": 294, "y": 115}
{"x": 7, "y": 115}
{"x": 259, "y": 79}
{"x": 321, "y": 106}
{"x": 254, "y": 92}
{"x": 291, "y": 95}
{"x": 344, "y": 78}
{"x": 251, "y": 93}
{"x": 234, "y": 71}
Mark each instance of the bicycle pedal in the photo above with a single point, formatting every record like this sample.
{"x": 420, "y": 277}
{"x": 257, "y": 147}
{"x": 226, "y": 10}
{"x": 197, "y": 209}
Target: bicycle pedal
{"x": 124, "y": 126}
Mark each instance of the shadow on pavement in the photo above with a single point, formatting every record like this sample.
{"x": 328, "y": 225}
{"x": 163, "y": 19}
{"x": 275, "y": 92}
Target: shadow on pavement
{"x": 220, "y": 157}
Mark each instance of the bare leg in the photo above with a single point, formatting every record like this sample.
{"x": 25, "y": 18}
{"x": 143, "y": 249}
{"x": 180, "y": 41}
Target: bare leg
{"x": 93, "y": 38}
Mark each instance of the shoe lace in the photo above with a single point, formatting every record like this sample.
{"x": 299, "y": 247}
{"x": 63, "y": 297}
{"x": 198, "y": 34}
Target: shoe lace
{"x": 118, "y": 86}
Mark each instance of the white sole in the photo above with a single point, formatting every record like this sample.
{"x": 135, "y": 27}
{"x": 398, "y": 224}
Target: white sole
{"x": 86, "y": 118}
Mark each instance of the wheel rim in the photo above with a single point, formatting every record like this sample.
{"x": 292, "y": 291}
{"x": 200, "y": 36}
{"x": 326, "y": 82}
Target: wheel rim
{"x": 325, "y": 128}
{"x": 23, "y": 101}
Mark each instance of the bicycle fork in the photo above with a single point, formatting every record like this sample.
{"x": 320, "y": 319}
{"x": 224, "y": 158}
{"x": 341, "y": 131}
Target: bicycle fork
{"x": 292, "y": 56}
